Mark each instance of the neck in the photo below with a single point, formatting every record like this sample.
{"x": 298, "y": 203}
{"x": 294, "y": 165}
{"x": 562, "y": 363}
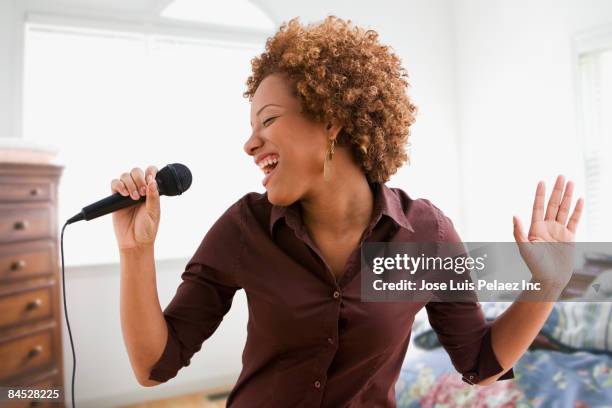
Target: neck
{"x": 342, "y": 204}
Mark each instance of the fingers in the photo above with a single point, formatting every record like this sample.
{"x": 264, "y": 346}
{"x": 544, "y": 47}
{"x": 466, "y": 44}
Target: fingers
{"x": 133, "y": 183}
{"x": 519, "y": 235}
{"x": 150, "y": 171}
{"x": 575, "y": 218}
{"x": 538, "y": 203}
{"x": 152, "y": 201}
{"x": 555, "y": 199}
{"x": 126, "y": 178}
{"x": 139, "y": 179}
{"x": 558, "y": 207}
{"x": 566, "y": 203}
{"x": 117, "y": 186}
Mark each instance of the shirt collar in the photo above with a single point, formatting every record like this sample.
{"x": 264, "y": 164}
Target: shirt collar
{"x": 386, "y": 202}
{"x": 392, "y": 206}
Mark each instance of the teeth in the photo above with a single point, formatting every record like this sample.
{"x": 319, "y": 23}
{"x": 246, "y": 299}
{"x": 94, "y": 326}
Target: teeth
{"x": 267, "y": 162}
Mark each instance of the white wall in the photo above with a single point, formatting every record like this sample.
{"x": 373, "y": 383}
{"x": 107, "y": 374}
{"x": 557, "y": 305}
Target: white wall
{"x": 7, "y": 65}
{"x": 516, "y": 104}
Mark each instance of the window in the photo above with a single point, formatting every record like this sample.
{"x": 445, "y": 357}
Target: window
{"x": 241, "y": 13}
{"x": 109, "y": 101}
{"x": 595, "y": 83}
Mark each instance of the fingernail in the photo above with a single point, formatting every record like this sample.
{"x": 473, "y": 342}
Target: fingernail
{"x": 135, "y": 195}
{"x": 142, "y": 190}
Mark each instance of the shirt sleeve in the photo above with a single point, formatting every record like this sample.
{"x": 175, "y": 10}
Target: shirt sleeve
{"x": 462, "y": 328}
{"x": 203, "y": 297}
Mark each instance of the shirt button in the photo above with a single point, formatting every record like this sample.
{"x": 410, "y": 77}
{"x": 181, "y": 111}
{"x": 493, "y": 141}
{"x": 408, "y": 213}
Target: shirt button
{"x": 330, "y": 340}
{"x": 336, "y": 295}
{"x": 317, "y": 384}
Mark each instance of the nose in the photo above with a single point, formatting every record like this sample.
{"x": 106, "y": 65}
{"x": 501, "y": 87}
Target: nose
{"x": 252, "y": 144}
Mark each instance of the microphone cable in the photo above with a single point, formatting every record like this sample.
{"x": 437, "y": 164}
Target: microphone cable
{"x": 175, "y": 179}
{"x": 66, "y": 315}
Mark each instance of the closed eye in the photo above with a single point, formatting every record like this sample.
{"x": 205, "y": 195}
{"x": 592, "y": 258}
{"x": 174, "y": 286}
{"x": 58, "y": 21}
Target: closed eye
{"x": 268, "y": 120}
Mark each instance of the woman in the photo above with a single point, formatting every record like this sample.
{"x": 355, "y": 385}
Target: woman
{"x": 330, "y": 120}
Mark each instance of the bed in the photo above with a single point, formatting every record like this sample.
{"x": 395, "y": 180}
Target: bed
{"x": 569, "y": 365}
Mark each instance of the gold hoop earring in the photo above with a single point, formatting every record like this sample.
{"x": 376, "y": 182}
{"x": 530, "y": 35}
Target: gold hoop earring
{"x": 327, "y": 162}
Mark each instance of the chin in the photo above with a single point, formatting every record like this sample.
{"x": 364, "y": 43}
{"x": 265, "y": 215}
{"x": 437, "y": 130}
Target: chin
{"x": 281, "y": 198}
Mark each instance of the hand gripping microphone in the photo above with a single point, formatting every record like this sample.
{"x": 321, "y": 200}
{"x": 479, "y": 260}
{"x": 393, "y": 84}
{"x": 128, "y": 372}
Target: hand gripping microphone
{"x": 174, "y": 179}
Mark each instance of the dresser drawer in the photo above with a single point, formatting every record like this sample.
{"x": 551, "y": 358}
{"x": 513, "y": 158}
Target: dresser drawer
{"x": 25, "y": 223}
{"x": 26, "y": 260}
{"x": 26, "y": 353}
{"x": 24, "y": 307}
{"x": 30, "y": 319}
{"x": 33, "y": 191}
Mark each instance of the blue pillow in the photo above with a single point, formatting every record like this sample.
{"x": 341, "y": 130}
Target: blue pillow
{"x": 573, "y": 326}
{"x": 585, "y": 326}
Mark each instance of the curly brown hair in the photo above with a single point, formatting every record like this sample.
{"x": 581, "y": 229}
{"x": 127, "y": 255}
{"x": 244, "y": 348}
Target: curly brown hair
{"x": 342, "y": 74}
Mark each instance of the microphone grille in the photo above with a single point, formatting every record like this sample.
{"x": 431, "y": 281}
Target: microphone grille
{"x": 175, "y": 179}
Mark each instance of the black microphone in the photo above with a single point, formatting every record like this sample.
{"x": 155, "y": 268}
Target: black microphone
{"x": 174, "y": 179}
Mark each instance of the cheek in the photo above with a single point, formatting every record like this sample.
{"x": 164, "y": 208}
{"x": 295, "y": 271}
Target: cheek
{"x": 306, "y": 156}
{"x": 305, "y": 161}
{"x": 302, "y": 164}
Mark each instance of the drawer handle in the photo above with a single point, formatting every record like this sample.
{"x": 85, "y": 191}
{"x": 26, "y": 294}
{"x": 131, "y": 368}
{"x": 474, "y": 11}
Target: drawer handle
{"x": 33, "y": 305}
{"x": 35, "y": 351}
{"x": 21, "y": 225}
{"x": 17, "y": 265}
{"x": 35, "y": 191}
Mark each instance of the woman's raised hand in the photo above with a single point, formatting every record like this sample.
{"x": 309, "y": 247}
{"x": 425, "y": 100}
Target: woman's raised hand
{"x": 136, "y": 226}
{"x": 548, "y": 247}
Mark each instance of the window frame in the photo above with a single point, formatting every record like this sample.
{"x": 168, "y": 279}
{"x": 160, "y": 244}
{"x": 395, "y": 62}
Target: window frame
{"x": 584, "y": 43}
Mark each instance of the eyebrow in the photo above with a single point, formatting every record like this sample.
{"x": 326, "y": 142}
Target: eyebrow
{"x": 262, "y": 108}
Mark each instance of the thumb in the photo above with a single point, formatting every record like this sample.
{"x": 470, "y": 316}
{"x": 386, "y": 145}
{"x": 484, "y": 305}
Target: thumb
{"x": 152, "y": 200}
{"x": 519, "y": 236}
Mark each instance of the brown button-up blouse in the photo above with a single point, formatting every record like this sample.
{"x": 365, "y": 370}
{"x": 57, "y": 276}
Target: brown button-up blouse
{"x": 311, "y": 342}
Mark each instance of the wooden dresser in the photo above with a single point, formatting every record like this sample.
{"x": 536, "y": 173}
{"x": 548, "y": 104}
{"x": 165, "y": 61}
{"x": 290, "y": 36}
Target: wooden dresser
{"x": 30, "y": 280}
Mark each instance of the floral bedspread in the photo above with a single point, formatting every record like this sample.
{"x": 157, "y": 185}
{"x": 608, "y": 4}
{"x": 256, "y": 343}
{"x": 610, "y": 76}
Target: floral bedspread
{"x": 543, "y": 378}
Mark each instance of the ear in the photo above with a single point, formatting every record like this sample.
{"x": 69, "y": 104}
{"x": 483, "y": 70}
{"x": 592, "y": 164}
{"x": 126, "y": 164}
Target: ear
{"x": 333, "y": 130}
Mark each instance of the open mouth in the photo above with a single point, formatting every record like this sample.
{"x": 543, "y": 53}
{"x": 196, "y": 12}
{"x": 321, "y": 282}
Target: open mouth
{"x": 268, "y": 169}
{"x": 269, "y": 163}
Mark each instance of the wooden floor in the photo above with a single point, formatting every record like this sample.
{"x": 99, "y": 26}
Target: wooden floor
{"x": 211, "y": 398}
